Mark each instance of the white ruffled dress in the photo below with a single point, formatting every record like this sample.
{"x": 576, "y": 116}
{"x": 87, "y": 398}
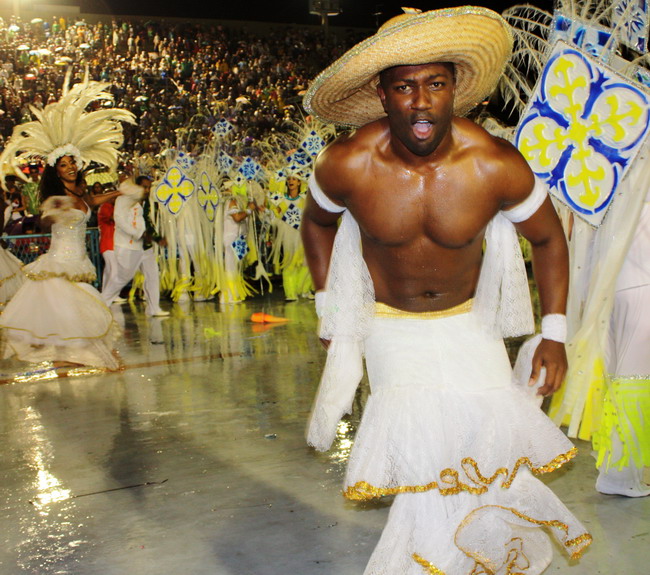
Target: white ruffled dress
{"x": 57, "y": 315}
{"x": 445, "y": 429}
{"x": 11, "y": 275}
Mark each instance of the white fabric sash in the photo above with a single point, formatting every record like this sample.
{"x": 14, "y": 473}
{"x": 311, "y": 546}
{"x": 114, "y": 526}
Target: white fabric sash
{"x": 502, "y": 304}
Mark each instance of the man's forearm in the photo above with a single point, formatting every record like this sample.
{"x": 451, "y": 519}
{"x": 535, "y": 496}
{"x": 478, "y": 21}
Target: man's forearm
{"x": 551, "y": 271}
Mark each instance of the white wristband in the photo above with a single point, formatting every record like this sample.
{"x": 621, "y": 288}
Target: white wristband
{"x": 554, "y": 327}
{"x": 319, "y": 300}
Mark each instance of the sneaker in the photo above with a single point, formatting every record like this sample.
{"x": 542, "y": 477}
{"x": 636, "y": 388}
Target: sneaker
{"x": 629, "y": 486}
{"x": 160, "y": 313}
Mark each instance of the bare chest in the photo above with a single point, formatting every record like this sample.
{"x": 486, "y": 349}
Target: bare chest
{"x": 449, "y": 217}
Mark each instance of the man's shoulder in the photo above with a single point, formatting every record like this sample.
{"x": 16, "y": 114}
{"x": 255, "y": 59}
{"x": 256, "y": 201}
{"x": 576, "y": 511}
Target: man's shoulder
{"x": 350, "y": 150}
{"x": 480, "y": 140}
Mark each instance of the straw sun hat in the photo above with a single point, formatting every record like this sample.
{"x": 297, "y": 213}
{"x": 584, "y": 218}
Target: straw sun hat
{"x": 476, "y": 40}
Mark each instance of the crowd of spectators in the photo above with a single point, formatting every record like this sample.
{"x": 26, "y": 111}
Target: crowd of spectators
{"x": 178, "y": 78}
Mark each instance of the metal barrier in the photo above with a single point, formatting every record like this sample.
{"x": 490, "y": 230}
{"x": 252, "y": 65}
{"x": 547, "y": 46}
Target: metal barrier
{"x": 29, "y": 246}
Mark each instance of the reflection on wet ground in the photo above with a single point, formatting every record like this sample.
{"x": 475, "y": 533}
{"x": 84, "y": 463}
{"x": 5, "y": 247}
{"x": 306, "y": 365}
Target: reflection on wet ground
{"x": 192, "y": 459}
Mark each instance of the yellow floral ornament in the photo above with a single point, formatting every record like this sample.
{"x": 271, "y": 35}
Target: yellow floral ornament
{"x": 208, "y": 196}
{"x": 582, "y": 131}
{"x": 174, "y": 190}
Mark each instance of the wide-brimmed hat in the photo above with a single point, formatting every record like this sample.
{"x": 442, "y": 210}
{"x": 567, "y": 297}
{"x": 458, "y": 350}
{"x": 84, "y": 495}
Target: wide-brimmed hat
{"x": 478, "y": 41}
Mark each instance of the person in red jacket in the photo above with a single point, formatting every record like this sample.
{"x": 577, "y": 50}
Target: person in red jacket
{"x": 106, "y": 225}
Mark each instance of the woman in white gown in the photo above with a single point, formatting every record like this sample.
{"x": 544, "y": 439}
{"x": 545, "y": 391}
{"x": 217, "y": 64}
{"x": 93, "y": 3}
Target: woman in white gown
{"x": 57, "y": 315}
{"x": 11, "y": 275}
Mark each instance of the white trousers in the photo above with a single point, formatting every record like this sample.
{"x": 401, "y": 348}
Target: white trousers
{"x": 629, "y": 333}
{"x": 627, "y": 356}
{"x": 109, "y": 266}
{"x": 127, "y": 263}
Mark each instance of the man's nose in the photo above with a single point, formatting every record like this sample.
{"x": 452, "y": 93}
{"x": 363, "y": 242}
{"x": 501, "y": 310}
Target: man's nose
{"x": 422, "y": 99}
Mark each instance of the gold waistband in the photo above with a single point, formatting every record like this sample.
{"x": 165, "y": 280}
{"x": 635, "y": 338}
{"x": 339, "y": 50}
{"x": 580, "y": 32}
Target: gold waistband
{"x": 383, "y": 310}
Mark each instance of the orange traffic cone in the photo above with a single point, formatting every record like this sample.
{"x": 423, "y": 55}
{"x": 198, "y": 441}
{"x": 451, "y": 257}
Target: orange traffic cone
{"x": 260, "y": 317}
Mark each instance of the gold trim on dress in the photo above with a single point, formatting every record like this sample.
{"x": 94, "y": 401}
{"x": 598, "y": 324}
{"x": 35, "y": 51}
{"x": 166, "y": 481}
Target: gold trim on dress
{"x": 515, "y": 554}
{"x": 450, "y": 482}
{"x": 13, "y": 275}
{"x": 582, "y": 541}
{"x": 430, "y": 568}
{"x": 81, "y": 278}
{"x": 383, "y": 310}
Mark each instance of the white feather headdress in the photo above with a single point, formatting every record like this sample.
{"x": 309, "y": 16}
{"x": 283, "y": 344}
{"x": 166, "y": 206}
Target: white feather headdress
{"x": 67, "y": 127}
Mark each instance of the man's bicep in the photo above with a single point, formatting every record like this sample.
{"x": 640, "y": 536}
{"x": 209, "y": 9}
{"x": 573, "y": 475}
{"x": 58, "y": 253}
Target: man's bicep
{"x": 542, "y": 226}
{"x": 315, "y": 214}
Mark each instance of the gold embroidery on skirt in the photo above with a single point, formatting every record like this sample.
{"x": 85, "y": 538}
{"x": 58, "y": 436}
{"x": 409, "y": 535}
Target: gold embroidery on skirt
{"x": 451, "y": 484}
{"x": 81, "y": 278}
{"x": 430, "y": 569}
{"x": 516, "y": 552}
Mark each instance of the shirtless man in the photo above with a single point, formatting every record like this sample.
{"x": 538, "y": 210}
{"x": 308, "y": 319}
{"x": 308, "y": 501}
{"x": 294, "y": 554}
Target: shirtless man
{"x": 422, "y": 184}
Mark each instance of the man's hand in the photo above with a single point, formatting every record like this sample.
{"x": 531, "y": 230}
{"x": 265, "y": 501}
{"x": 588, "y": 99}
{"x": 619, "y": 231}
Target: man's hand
{"x": 551, "y": 355}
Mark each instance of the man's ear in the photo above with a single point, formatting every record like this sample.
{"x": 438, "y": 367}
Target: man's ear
{"x": 382, "y": 96}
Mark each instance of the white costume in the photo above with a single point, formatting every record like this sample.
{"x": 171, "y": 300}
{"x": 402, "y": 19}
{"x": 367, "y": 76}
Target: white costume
{"x": 444, "y": 430}
{"x": 623, "y": 443}
{"x": 56, "y": 315}
{"x": 130, "y": 256}
{"x": 234, "y": 288}
{"x": 288, "y": 253}
{"x": 11, "y": 275}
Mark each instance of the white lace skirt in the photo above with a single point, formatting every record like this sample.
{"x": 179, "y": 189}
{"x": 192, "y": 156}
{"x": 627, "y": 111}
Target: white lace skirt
{"x": 58, "y": 320}
{"x": 446, "y": 431}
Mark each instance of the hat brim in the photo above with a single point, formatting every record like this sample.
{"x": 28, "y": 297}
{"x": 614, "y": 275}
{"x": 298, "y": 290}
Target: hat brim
{"x": 478, "y": 41}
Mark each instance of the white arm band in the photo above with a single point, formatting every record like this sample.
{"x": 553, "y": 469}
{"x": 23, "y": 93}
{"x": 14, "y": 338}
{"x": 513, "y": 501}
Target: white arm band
{"x": 319, "y": 300}
{"x": 521, "y": 212}
{"x": 554, "y": 327}
{"x": 321, "y": 199}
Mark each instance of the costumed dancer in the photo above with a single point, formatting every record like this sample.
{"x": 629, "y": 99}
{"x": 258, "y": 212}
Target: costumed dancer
{"x": 444, "y": 429}
{"x": 288, "y": 253}
{"x": 623, "y": 439}
{"x": 106, "y": 226}
{"x": 287, "y": 193}
{"x": 57, "y": 315}
{"x": 598, "y": 191}
{"x": 131, "y": 255}
{"x": 186, "y": 269}
{"x": 234, "y": 221}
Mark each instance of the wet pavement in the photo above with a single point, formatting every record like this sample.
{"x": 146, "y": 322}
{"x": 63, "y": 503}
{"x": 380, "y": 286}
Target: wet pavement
{"x": 192, "y": 460}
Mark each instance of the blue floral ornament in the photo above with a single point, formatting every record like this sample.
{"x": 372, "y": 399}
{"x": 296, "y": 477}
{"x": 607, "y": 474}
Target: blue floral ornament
{"x": 299, "y": 157}
{"x": 630, "y": 17}
{"x": 313, "y": 144}
{"x": 224, "y": 162}
{"x": 292, "y": 216}
{"x": 582, "y": 130}
{"x": 240, "y": 247}
{"x": 222, "y": 128}
{"x": 250, "y": 169}
{"x": 596, "y": 40}
{"x": 184, "y": 161}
